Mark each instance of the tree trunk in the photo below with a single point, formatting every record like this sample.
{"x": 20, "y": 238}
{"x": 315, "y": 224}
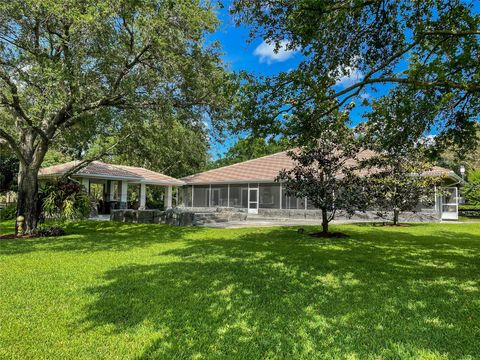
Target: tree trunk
{"x": 396, "y": 213}
{"x": 27, "y": 203}
{"x": 324, "y": 221}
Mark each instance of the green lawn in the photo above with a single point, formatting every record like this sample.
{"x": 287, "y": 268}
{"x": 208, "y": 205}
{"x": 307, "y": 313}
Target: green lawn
{"x": 118, "y": 291}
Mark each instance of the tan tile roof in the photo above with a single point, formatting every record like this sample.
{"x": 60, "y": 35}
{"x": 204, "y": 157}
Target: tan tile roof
{"x": 440, "y": 171}
{"x": 96, "y": 168}
{"x": 266, "y": 169}
{"x": 152, "y": 177}
{"x": 109, "y": 171}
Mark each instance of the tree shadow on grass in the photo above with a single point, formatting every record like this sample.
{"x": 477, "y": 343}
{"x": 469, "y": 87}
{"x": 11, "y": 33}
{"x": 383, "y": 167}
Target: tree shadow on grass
{"x": 92, "y": 236}
{"x": 278, "y": 294}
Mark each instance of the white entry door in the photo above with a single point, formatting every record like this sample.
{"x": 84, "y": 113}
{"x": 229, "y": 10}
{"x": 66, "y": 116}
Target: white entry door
{"x": 253, "y": 201}
{"x": 450, "y": 204}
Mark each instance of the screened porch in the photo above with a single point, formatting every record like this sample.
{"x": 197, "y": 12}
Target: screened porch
{"x": 251, "y": 196}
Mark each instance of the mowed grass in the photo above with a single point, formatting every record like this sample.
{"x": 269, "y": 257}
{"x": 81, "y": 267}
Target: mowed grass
{"x": 120, "y": 291}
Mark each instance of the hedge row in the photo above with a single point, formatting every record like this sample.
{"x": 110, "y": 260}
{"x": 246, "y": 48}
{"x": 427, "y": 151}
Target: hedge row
{"x": 470, "y": 213}
{"x": 468, "y": 207}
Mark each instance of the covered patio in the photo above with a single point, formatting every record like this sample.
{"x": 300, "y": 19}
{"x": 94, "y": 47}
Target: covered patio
{"x": 111, "y": 183}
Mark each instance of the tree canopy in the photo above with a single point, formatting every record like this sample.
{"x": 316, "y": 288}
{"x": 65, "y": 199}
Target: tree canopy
{"x": 422, "y": 50}
{"x": 70, "y": 65}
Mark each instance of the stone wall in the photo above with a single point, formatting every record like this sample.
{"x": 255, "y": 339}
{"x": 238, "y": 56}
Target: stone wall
{"x": 426, "y": 215}
{"x": 199, "y": 216}
{"x": 179, "y": 216}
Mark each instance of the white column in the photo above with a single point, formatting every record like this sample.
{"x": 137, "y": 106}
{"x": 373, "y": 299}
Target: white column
{"x": 210, "y": 196}
{"x": 123, "y": 188}
{"x": 280, "y": 196}
{"x": 192, "y": 195}
{"x": 228, "y": 195}
{"x": 169, "y": 197}
{"x": 143, "y": 196}
{"x": 111, "y": 191}
{"x": 86, "y": 184}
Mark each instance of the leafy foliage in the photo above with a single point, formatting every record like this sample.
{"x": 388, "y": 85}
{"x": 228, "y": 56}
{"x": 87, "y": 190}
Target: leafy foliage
{"x": 398, "y": 183}
{"x": 472, "y": 188}
{"x": 9, "y": 212}
{"x": 162, "y": 144}
{"x": 55, "y": 157}
{"x": 426, "y": 51}
{"x": 46, "y": 231}
{"x": 65, "y": 200}
{"x": 455, "y": 158}
{"x": 8, "y": 171}
{"x": 324, "y": 173}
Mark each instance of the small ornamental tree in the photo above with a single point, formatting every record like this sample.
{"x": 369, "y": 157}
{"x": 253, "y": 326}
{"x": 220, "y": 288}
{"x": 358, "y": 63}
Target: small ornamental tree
{"x": 325, "y": 174}
{"x": 398, "y": 183}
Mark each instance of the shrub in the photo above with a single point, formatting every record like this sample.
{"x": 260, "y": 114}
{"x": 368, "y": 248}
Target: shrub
{"x": 45, "y": 231}
{"x": 65, "y": 200}
{"x": 468, "y": 207}
{"x": 8, "y": 213}
{"x": 470, "y": 211}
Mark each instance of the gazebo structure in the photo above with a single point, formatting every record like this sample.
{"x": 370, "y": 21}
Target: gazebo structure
{"x": 115, "y": 180}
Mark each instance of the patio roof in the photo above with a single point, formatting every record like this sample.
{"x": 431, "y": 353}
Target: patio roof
{"x": 101, "y": 170}
{"x": 267, "y": 168}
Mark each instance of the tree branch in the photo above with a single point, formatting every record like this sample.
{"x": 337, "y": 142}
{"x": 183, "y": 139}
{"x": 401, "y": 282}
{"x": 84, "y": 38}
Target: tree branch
{"x": 13, "y": 145}
{"x": 128, "y": 67}
{"x": 450, "y": 32}
{"x": 408, "y": 81}
{"x": 15, "y": 104}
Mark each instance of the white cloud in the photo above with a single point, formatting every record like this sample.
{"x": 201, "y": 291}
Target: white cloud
{"x": 267, "y": 54}
{"x": 349, "y": 77}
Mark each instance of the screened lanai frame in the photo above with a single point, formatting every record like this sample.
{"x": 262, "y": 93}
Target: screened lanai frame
{"x": 269, "y": 195}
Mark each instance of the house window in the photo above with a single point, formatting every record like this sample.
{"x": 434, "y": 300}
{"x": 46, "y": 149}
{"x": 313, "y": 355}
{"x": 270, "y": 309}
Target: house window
{"x": 291, "y": 202}
{"x": 219, "y": 195}
{"x": 185, "y": 196}
{"x": 201, "y": 196}
{"x": 269, "y": 196}
{"x": 239, "y": 195}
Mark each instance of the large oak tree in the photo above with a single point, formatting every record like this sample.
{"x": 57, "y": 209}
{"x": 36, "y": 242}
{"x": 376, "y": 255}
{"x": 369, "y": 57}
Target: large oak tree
{"x": 63, "y": 63}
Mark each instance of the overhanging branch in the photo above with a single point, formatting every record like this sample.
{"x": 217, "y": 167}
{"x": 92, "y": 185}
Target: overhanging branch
{"x": 13, "y": 145}
{"x": 450, "y": 32}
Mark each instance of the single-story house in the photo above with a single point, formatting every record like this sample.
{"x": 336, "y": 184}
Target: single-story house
{"x": 248, "y": 186}
{"x": 251, "y": 185}
{"x": 115, "y": 180}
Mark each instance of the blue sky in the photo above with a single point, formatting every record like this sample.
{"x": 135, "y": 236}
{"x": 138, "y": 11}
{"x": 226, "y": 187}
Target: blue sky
{"x": 258, "y": 58}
